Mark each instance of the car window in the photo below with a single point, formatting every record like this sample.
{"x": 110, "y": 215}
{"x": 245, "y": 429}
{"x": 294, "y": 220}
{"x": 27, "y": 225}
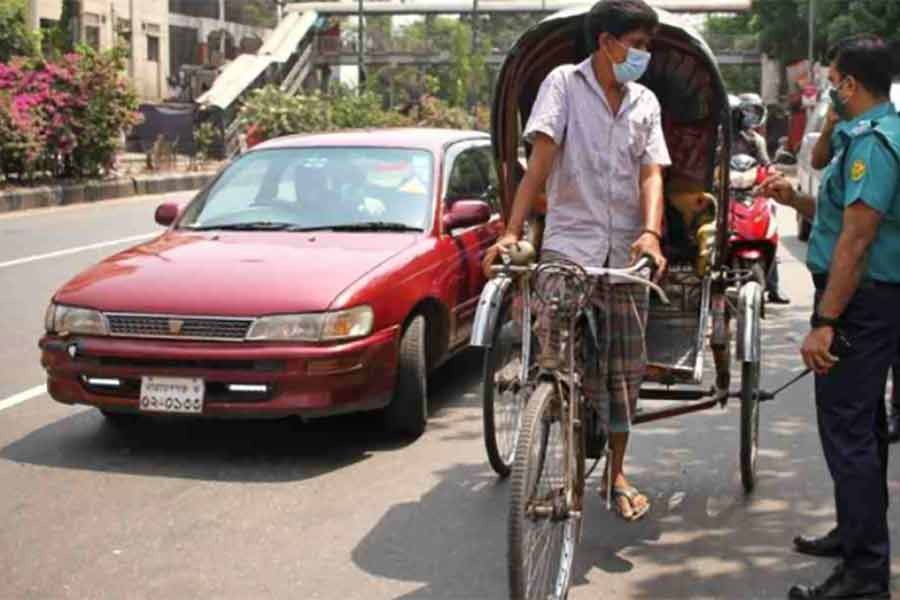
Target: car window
{"x": 468, "y": 176}
{"x": 492, "y": 194}
{"x": 319, "y": 187}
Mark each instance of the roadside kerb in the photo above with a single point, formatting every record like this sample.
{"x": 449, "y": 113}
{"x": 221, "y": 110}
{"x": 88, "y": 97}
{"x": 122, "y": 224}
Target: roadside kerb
{"x": 94, "y": 191}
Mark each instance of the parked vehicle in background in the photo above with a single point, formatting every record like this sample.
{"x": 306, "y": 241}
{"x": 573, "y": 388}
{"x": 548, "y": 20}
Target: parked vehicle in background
{"x": 808, "y": 177}
{"x": 316, "y": 275}
{"x": 753, "y": 229}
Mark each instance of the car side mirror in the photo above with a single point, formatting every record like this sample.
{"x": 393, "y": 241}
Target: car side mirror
{"x": 167, "y": 212}
{"x": 466, "y": 213}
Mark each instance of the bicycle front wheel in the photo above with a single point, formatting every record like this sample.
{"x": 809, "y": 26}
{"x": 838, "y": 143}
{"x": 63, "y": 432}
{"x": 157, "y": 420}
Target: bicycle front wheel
{"x": 503, "y": 393}
{"x": 542, "y": 530}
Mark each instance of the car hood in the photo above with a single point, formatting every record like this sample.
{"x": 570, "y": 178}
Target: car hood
{"x": 232, "y": 273}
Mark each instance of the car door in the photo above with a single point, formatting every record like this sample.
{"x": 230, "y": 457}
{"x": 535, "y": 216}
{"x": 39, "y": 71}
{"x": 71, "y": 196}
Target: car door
{"x": 469, "y": 175}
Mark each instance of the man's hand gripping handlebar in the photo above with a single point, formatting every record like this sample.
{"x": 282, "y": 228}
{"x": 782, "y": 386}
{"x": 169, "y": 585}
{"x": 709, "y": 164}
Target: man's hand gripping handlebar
{"x": 631, "y": 274}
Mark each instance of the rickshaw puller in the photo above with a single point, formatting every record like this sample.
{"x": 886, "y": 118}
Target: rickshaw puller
{"x": 598, "y": 146}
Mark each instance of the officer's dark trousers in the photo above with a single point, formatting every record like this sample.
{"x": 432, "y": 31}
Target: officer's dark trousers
{"x": 895, "y": 391}
{"x": 853, "y": 427}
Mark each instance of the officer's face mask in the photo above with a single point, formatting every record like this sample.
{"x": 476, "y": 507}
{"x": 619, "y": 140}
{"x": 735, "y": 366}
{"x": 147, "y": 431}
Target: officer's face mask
{"x": 839, "y": 104}
{"x": 634, "y": 66}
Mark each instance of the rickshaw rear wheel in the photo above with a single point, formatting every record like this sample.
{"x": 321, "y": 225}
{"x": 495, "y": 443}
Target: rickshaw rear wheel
{"x": 541, "y": 539}
{"x": 749, "y": 423}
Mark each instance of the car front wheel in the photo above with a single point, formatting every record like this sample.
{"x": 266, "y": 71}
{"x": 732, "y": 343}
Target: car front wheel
{"x": 408, "y": 411}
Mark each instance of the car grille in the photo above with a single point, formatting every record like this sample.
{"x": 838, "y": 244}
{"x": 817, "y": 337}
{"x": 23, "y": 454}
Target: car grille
{"x": 176, "y": 327}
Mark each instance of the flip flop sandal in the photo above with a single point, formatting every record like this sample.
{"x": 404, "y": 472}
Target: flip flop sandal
{"x": 629, "y": 494}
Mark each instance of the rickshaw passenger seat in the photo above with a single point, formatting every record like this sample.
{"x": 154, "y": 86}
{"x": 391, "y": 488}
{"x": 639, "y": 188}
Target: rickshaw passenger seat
{"x": 690, "y": 213}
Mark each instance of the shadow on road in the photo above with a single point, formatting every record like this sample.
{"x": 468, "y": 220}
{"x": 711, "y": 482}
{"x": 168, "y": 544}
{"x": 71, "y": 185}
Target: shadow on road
{"x": 226, "y": 450}
{"x": 704, "y": 538}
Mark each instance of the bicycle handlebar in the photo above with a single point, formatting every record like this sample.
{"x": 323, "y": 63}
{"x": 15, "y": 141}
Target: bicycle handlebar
{"x": 628, "y": 273}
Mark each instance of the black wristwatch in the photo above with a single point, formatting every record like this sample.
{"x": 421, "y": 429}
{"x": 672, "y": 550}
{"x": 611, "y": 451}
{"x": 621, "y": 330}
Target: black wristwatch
{"x": 818, "y": 320}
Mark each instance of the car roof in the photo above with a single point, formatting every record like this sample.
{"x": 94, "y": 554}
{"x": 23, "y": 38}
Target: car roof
{"x": 423, "y": 138}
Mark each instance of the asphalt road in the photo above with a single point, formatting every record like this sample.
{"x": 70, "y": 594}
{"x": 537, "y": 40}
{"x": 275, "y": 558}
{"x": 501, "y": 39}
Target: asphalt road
{"x": 334, "y": 509}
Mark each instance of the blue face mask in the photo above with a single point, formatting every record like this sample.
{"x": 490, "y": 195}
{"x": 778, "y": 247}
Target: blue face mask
{"x": 633, "y": 68}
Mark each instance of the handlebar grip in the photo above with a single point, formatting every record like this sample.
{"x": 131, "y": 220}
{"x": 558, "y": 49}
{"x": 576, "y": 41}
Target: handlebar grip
{"x": 649, "y": 263}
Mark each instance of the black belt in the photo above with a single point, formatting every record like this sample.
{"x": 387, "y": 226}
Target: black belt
{"x": 820, "y": 280}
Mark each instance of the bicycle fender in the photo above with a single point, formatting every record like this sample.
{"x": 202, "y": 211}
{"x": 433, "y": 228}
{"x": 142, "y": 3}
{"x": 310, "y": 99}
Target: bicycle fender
{"x": 748, "y": 322}
{"x": 488, "y": 312}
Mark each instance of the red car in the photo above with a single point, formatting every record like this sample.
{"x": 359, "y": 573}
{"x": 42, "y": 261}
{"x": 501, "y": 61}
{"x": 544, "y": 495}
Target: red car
{"x": 315, "y": 275}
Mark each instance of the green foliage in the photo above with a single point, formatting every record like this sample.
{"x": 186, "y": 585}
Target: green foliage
{"x": 65, "y": 117}
{"x": 16, "y": 39}
{"x": 207, "y": 137}
{"x": 270, "y": 112}
{"x": 461, "y": 65}
{"x": 62, "y": 37}
{"x": 465, "y": 80}
{"x": 783, "y": 24}
{"x": 741, "y": 78}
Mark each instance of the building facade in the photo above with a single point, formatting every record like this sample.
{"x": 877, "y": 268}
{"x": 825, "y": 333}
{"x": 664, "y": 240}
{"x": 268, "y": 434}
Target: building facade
{"x": 165, "y": 36}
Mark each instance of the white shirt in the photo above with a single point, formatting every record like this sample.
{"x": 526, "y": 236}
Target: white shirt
{"x": 593, "y": 191}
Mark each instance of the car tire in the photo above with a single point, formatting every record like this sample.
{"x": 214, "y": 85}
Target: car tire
{"x": 119, "y": 420}
{"x": 407, "y": 413}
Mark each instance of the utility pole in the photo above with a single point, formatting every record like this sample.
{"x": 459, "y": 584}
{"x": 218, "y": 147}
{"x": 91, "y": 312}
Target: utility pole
{"x": 475, "y": 25}
{"x": 812, "y": 37}
{"x": 360, "y": 48}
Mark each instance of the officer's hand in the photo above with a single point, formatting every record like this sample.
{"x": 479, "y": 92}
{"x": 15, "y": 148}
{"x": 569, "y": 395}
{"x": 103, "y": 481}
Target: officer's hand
{"x": 648, "y": 244}
{"x": 778, "y": 187}
{"x": 816, "y": 350}
{"x": 502, "y": 246}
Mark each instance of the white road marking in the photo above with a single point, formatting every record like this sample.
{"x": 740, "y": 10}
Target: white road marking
{"x": 22, "y": 397}
{"x": 75, "y": 250}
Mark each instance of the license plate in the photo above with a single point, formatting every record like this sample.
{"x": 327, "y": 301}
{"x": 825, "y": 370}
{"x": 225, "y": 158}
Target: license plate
{"x": 172, "y": 395}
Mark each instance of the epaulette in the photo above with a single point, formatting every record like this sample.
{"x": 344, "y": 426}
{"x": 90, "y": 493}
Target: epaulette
{"x": 861, "y": 128}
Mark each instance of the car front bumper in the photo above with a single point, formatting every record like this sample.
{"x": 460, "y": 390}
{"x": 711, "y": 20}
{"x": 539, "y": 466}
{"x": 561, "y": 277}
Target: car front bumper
{"x": 273, "y": 379}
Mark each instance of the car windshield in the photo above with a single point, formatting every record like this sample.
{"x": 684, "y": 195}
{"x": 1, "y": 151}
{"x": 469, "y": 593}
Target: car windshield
{"x": 350, "y": 189}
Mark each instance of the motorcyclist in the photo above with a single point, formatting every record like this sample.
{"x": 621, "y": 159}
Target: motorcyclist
{"x": 748, "y": 115}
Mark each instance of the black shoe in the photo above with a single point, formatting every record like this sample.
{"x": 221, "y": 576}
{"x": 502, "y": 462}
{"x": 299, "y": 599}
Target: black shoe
{"x": 827, "y": 545}
{"x": 841, "y": 584}
{"x": 776, "y": 297}
{"x": 894, "y": 427}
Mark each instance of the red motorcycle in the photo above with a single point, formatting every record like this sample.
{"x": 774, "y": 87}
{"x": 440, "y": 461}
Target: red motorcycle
{"x": 753, "y": 229}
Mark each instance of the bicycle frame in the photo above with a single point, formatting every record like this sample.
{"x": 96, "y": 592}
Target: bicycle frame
{"x": 561, "y": 373}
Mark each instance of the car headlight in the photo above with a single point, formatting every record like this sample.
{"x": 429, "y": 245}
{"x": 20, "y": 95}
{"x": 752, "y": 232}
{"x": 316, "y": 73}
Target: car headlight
{"x": 71, "y": 320}
{"x": 339, "y": 325}
{"x": 345, "y": 324}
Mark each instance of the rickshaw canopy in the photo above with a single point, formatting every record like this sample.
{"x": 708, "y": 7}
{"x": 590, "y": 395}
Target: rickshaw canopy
{"x": 683, "y": 74}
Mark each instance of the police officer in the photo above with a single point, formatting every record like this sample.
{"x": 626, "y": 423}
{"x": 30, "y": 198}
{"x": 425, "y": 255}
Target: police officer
{"x": 854, "y": 257}
{"x": 829, "y": 143}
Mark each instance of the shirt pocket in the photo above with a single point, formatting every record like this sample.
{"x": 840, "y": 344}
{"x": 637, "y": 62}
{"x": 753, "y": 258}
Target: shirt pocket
{"x": 638, "y": 135}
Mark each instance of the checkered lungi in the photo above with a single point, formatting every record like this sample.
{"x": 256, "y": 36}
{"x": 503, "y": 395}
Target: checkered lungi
{"x": 612, "y": 371}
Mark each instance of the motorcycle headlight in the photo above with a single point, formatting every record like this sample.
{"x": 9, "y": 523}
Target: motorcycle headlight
{"x": 742, "y": 180}
{"x": 339, "y": 325}
{"x": 71, "y": 320}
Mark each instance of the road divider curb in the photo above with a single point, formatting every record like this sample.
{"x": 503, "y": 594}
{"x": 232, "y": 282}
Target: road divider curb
{"x": 94, "y": 191}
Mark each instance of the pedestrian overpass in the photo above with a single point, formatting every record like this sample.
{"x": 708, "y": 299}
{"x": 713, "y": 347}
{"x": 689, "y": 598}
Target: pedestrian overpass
{"x": 306, "y": 46}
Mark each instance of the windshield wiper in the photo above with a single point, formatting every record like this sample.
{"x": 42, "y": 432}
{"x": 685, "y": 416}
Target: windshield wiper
{"x": 249, "y": 226}
{"x": 375, "y": 226}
